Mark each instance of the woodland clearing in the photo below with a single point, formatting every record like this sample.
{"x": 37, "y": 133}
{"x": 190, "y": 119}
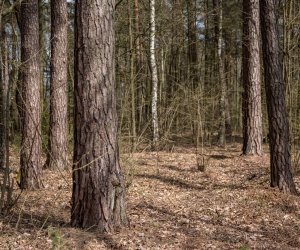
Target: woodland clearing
{"x": 170, "y": 204}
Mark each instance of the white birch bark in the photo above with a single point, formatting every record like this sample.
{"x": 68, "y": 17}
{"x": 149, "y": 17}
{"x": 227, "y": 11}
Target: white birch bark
{"x": 153, "y": 72}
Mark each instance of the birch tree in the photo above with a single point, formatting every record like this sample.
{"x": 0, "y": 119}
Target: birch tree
{"x": 154, "y": 75}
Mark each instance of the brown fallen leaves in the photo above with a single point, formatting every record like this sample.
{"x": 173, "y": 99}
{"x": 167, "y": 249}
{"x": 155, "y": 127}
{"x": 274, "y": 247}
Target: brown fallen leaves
{"x": 171, "y": 205}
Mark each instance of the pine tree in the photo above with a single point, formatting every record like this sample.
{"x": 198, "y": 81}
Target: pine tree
{"x": 281, "y": 173}
{"x": 98, "y": 184}
{"x": 58, "y": 132}
{"x": 252, "y": 115}
{"x": 30, "y": 159}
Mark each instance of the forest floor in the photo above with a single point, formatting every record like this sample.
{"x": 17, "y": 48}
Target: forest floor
{"x": 170, "y": 204}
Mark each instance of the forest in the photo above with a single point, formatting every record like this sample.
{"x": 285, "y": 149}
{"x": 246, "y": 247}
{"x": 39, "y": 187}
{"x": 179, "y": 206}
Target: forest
{"x": 150, "y": 124}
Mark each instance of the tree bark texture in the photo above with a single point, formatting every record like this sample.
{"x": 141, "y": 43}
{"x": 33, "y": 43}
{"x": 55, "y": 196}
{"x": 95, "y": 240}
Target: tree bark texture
{"x": 98, "y": 198}
{"x": 30, "y": 159}
{"x": 281, "y": 174}
{"x": 154, "y": 74}
{"x": 58, "y": 133}
{"x": 252, "y": 114}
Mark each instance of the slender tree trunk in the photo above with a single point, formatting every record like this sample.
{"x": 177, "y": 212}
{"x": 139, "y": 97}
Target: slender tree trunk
{"x": 2, "y": 101}
{"x": 42, "y": 52}
{"x": 6, "y": 184}
{"x": 192, "y": 43}
{"x": 30, "y": 159}
{"x": 281, "y": 173}
{"x": 98, "y": 184}
{"x": 58, "y": 131}
{"x": 4, "y": 97}
{"x": 154, "y": 75}
{"x": 172, "y": 74}
{"x": 219, "y": 40}
{"x": 252, "y": 115}
{"x": 132, "y": 78}
{"x": 207, "y": 63}
{"x": 140, "y": 69}
{"x": 14, "y": 64}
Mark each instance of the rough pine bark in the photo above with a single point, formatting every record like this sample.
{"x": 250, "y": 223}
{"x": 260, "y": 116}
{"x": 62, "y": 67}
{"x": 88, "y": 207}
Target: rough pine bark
{"x": 98, "y": 198}
{"x": 30, "y": 158}
{"x": 58, "y": 132}
{"x": 252, "y": 115}
{"x": 281, "y": 173}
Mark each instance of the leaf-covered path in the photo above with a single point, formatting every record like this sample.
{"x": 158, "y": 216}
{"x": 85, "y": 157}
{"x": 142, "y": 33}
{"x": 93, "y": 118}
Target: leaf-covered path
{"x": 171, "y": 205}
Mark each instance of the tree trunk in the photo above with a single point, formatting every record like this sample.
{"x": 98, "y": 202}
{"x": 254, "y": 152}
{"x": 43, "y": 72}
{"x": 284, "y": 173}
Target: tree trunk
{"x": 132, "y": 80}
{"x": 98, "y": 198}
{"x": 30, "y": 159}
{"x": 140, "y": 70}
{"x": 58, "y": 131}
{"x": 219, "y": 41}
{"x": 252, "y": 115}
{"x": 14, "y": 64}
{"x": 2, "y": 101}
{"x": 172, "y": 77}
{"x": 207, "y": 53}
{"x": 4, "y": 97}
{"x": 281, "y": 173}
{"x": 154, "y": 75}
{"x": 42, "y": 46}
{"x": 6, "y": 184}
{"x": 192, "y": 43}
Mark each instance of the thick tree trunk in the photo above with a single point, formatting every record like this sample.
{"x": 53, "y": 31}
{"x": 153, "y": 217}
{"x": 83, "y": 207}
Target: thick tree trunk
{"x": 58, "y": 131}
{"x": 98, "y": 184}
{"x": 30, "y": 159}
{"x": 252, "y": 115}
{"x": 281, "y": 173}
{"x": 154, "y": 75}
